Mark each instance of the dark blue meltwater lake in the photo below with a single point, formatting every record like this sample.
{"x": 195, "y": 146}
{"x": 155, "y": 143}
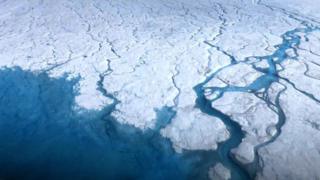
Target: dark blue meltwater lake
{"x": 42, "y": 136}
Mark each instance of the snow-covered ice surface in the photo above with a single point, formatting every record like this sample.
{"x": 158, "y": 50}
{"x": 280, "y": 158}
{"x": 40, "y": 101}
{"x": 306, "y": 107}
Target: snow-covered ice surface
{"x": 209, "y": 88}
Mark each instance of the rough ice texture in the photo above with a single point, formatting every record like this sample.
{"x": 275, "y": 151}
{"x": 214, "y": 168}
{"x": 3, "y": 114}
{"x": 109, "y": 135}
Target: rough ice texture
{"x": 219, "y": 172}
{"x": 306, "y": 7}
{"x": 238, "y": 75}
{"x": 146, "y": 47}
{"x": 253, "y": 115}
{"x": 151, "y": 53}
{"x": 194, "y": 130}
{"x": 299, "y": 139}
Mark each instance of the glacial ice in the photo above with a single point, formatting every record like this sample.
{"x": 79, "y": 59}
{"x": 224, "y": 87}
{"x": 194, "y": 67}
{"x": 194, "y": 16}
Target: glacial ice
{"x": 218, "y": 172}
{"x": 194, "y": 130}
{"x": 255, "y": 62}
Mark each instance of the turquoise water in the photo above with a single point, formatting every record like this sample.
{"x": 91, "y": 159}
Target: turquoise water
{"x": 236, "y": 135}
{"x": 42, "y": 137}
{"x": 290, "y": 41}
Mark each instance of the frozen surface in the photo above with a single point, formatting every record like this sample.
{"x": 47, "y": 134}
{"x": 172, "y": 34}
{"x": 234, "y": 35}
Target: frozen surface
{"x": 220, "y": 77}
{"x": 218, "y": 172}
{"x": 194, "y": 130}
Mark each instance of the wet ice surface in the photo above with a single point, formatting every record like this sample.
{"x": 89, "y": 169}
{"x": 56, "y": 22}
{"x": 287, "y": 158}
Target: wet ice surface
{"x": 213, "y": 89}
